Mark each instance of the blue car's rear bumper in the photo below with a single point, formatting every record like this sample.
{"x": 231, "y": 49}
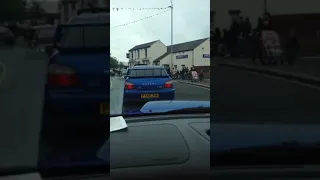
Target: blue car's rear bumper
{"x": 131, "y": 96}
{"x": 73, "y": 110}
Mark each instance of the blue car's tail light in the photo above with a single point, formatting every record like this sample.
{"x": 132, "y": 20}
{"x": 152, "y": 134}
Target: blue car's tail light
{"x": 62, "y": 76}
{"x": 168, "y": 84}
{"x": 129, "y": 85}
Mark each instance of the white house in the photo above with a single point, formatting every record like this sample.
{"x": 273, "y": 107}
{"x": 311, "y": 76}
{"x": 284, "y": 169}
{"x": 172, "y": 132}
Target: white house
{"x": 146, "y": 53}
{"x": 194, "y": 53}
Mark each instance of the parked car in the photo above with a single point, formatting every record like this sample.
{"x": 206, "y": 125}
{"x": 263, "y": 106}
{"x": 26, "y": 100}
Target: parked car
{"x": 124, "y": 72}
{"x": 7, "y": 36}
{"x": 112, "y": 73}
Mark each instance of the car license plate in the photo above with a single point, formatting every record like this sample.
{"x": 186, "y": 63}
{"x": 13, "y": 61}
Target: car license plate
{"x": 149, "y": 95}
{"x": 104, "y": 109}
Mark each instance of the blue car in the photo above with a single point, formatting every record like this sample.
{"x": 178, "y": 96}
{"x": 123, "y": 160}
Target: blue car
{"x": 148, "y": 83}
{"x": 78, "y": 74}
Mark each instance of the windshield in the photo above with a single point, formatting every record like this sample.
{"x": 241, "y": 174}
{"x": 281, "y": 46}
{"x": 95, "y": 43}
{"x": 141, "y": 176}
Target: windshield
{"x": 141, "y": 44}
{"x": 84, "y": 37}
{"x": 147, "y": 73}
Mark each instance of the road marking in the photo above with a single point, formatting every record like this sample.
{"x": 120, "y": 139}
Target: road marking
{"x": 3, "y": 72}
{"x": 288, "y": 80}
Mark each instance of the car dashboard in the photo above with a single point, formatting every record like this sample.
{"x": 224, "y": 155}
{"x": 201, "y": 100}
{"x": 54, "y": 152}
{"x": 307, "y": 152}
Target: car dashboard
{"x": 153, "y": 146}
{"x": 158, "y": 147}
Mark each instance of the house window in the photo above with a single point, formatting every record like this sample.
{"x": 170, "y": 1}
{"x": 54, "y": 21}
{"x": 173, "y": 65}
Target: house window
{"x": 146, "y": 52}
{"x": 146, "y": 62}
{"x": 138, "y": 54}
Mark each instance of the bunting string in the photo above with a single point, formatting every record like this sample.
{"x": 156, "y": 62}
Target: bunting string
{"x": 148, "y": 17}
{"x": 137, "y": 9}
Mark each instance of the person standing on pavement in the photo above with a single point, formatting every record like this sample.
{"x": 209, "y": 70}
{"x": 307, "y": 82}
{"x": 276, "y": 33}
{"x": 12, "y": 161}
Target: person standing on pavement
{"x": 216, "y": 41}
{"x": 264, "y": 23}
{"x": 183, "y": 72}
{"x": 226, "y": 43}
{"x": 257, "y": 42}
{"x": 247, "y": 28}
{"x": 187, "y": 73}
{"x": 174, "y": 73}
{"x": 292, "y": 47}
{"x": 201, "y": 75}
{"x": 234, "y": 34}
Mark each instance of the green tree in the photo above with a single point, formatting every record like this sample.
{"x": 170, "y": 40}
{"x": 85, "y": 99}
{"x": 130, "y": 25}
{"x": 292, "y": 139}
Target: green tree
{"x": 113, "y": 62}
{"x": 35, "y": 10}
{"x": 121, "y": 65}
{"x": 11, "y": 10}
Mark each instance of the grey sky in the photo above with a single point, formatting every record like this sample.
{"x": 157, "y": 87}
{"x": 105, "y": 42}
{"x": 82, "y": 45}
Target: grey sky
{"x": 191, "y": 21}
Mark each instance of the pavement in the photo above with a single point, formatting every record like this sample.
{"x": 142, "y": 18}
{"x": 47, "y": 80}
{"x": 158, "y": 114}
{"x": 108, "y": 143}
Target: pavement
{"x": 194, "y": 92}
{"x": 243, "y": 96}
{"x": 306, "y": 70}
{"x": 205, "y": 83}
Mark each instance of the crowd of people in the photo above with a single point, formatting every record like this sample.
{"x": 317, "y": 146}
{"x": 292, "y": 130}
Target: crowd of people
{"x": 242, "y": 40}
{"x": 188, "y": 74}
{"x": 227, "y": 41}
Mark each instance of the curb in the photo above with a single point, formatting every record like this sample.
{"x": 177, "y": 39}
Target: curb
{"x": 200, "y": 85}
{"x": 300, "y": 78}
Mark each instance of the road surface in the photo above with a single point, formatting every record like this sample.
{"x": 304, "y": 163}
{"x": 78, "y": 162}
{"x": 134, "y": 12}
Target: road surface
{"x": 21, "y": 94}
{"x": 241, "y": 96}
{"x": 182, "y": 92}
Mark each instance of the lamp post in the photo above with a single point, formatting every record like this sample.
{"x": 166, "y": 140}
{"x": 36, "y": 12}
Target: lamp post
{"x": 171, "y": 7}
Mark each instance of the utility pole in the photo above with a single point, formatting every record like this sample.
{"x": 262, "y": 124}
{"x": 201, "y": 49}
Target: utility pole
{"x": 171, "y": 7}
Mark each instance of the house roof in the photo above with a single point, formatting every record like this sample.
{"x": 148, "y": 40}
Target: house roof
{"x": 186, "y": 46}
{"x": 48, "y": 6}
{"x": 141, "y": 46}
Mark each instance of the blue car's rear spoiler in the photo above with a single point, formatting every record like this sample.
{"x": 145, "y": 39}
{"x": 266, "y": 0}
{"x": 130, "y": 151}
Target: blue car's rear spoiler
{"x": 133, "y": 112}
